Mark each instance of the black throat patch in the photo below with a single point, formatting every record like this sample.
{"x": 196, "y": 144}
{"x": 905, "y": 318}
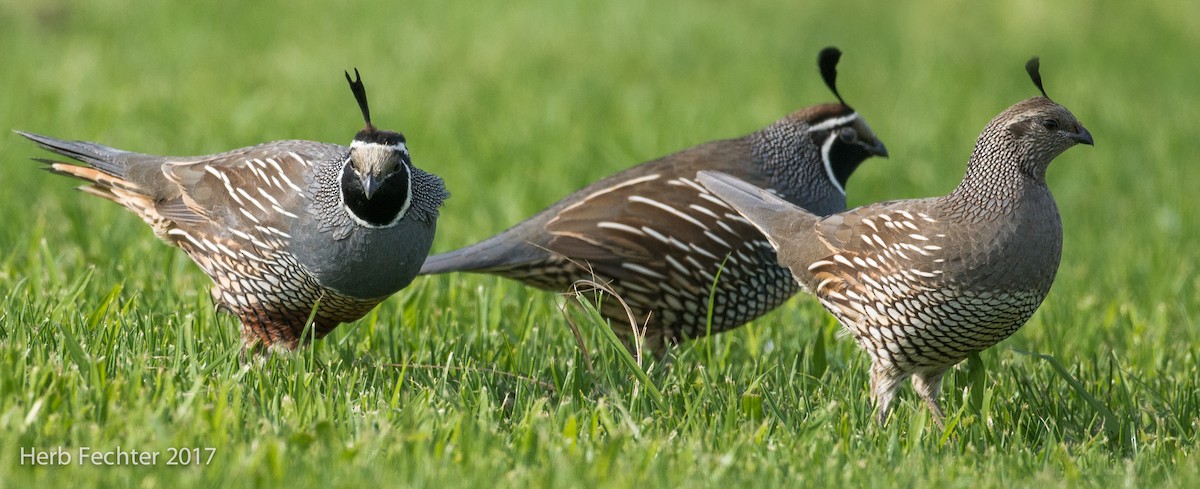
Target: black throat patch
{"x": 384, "y": 206}
{"x": 844, "y": 158}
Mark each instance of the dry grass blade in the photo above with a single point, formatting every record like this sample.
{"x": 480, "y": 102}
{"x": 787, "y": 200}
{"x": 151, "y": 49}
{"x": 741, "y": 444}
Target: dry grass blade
{"x": 593, "y": 313}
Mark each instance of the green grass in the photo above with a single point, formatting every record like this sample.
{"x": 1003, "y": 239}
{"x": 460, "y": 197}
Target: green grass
{"x": 108, "y": 338}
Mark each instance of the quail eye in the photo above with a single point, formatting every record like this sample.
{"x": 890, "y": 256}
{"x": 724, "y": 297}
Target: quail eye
{"x": 1050, "y": 124}
{"x": 847, "y": 135}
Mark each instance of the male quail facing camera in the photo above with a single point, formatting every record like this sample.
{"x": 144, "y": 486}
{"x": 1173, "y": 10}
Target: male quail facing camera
{"x": 283, "y": 228}
{"x": 658, "y": 239}
{"x": 921, "y": 284}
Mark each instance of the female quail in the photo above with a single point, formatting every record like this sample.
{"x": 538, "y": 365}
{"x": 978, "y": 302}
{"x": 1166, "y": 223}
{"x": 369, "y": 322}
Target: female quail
{"x": 658, "y": 239}
{"x": 921, "y": 284}
{"x": 283, "y": 228}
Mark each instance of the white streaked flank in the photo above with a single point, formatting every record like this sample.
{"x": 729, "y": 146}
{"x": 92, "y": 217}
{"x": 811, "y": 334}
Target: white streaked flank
{"x": 692, "y": 183}
{"x": 738, "y": 217}
{"x": 284, "y": 212}
{"x": 184, "y": 235}
{"x": 626, "y": 183}
{"x": 240, "y": 234}
{"x": 824, "y": 283}
{"x": 248, "y": 214}
{"x": 818, "y": 264}
{"x": 642, "y": 270}
{"x": 717, "y": 239}
{"x": 703, "y": 251}
{"x": 620, "y": 227}
{"x": 283, "y": 175}
{"x": 298, "y": 158}
{"x": 678, "y": 244}
{"x": 251, "y": 199}
{"x": 714, "y": 199}
{"x": 724, "y": 226}
{"x": 665, "y": 207}
{"x": 655, "y": 234}
{"x": 676, "y": 265}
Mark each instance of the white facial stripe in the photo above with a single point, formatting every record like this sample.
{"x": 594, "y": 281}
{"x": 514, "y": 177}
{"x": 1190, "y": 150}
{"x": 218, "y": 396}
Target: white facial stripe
{"x": 403, "y": 148}
{"x": 407, "y": 197}
{"x": 832, "y": 123}
{"x": 829, "y": 163}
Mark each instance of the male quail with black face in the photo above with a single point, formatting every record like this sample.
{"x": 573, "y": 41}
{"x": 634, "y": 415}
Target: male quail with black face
{"x": 658, "y": 238}
{"x": 921, "y": 284}
{"x": 282, "y": 227}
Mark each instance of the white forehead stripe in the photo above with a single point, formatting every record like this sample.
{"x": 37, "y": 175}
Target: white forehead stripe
{"x": 832, "y": 123}
{"x": 403, "y": 148}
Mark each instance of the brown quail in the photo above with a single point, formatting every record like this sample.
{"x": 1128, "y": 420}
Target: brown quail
{"x": 921, "y": 284}
{"x": 657, "y": 238}
{"x": 283, "y": 228}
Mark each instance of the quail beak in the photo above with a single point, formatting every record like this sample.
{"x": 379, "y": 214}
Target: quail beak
{"x": 878, "y": 149}
{"x": 1083, "y": 136}
{"x": 370, "y": 184}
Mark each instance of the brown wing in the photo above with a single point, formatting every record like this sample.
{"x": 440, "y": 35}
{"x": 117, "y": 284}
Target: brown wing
{"x": 653, "y": 218}
{"x": 878, "y": 256}
{"x": 261, "y": 188}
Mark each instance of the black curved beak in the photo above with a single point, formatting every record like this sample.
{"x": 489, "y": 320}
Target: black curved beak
{"x": 1083, "y": 136}
{"x": 878, "y": 149}
{"x": 370, "y": 185}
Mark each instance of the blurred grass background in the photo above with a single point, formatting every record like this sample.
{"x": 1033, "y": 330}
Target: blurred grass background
{"x": 108, "y": 337}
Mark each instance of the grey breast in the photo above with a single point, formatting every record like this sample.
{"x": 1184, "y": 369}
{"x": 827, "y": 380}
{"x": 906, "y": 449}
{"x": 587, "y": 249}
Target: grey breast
{"x": 355, "y": 260}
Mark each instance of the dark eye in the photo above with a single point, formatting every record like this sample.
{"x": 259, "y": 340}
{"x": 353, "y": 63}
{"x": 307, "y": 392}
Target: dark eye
{"x": 847, "y": 135}
{"x": 1050, "y": 124}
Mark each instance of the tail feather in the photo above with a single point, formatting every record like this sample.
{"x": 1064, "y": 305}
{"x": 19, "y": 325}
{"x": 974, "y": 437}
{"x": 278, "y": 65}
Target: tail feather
{"x": 102, "y": 180}
{"x": 95, "y": 155}
{"x": 119, "y": 191}
{"x": 499, "y": 252}
{"x": 771, "y": 214}
{"x": 106, "y": 172}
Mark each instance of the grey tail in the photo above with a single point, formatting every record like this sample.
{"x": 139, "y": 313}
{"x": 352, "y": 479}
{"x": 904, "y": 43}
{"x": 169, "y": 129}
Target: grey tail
{"x": 772, "y": 215}
{"x": 493, "y": 255}
{"x": 97, "y": 156}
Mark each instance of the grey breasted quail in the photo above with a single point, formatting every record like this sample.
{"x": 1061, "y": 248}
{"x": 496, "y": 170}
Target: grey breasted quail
{"x": 657, "y": 238}
{"x": 280, "y": 227}
{"x": 921, "y": 284}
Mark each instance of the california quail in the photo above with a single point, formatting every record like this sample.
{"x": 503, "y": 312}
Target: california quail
{"x": 658, "y": 239}
{"x": 283, "y": 228}
{"x": 921, "y": 284}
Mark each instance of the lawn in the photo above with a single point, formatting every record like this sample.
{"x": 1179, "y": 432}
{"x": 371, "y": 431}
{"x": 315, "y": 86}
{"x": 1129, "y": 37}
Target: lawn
{"x": 109, "y": 341}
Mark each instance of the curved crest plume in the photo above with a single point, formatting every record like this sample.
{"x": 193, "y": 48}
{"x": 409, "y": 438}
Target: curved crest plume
{"x": 360, "y": 94}
{"x": 827, "y": 60}
{"x": 1033, "y": 67}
